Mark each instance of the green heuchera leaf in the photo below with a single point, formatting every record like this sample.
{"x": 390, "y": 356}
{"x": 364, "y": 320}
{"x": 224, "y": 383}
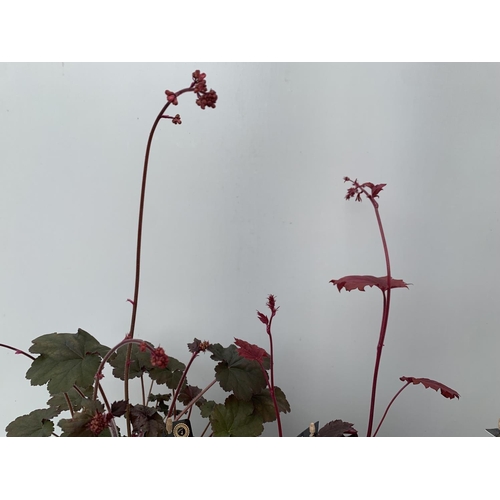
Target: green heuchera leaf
{"x": 264, "y": 406}
{"x": 140, "y": 361}
{"x": 171, "y": 375}
{"x": 66, "y": 359}
{"x": 77, "y": 426}
{"x": 235, "y": 418}
{"x": 58, "y": 401}
{"x": 35, "y": 424}
{"x": 207, "y": 408}
{"x": 235, "y": 374}
{"x": 160, "y": 401}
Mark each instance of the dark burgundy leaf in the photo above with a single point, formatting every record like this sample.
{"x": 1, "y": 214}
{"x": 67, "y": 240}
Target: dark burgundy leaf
{"x": 432, "y": 384}
{"x": 337, "y": 428}
{"x": 194, "y": 346}
{"x": 360, "y": 282}
{"x": 118, "y": 408}
{"x": 188, "y": 393}
{"x": 250, "y": 351}
{"x": 147, "y": 421}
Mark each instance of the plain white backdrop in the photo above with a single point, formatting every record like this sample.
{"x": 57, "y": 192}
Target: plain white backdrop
{"x": 247, "y": 200}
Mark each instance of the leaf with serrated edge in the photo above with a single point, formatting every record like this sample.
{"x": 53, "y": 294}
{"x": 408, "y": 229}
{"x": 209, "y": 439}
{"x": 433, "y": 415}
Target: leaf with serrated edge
{"x": 360, "y": 282}
{"x": 59, "y": 401}
{"x": 147, "y": 420}
{"x": 207, "y": 408}
{"x": 77, "y": 425}
{"x": 446, "y": 391}
{"x": 336, "y": 428}
{"x": 170, "y": 375}
{"x": 188, "y": 393}
{"x": 264, "y": 405}
{"x": 235, "y": 418}
{"x": 36, "y": 424}
{"x": 66, "y": 359}
{"x": 241, "y": 376}
{"x": 140, "y": 361}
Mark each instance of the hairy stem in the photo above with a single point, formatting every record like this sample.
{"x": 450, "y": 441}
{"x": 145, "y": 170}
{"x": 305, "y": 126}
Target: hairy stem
{"x": 388, "y": 406}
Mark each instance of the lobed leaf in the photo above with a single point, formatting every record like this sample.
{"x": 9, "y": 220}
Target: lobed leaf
{"x": 250, "y": 351}
{"x": 432, "y": 384}
{"x": 78, "y": 425}
{"x": 170, "y": 375}
{"x": 264, "y": 406}
{"x": 207, "y": 408}
{"x": 58, "y": 401}
{"x": 140, "y": 361}
{"x": 66, "y": 359}
{"x": 235, "y": 374}
{"x": 38, "y": 423}
{"x": 146, "y": 420}
{"x": 360, "y": 282}
{"x": 337, "y": 428}
{"x": 235, "y": 418}
{"x": 188, "y": 393}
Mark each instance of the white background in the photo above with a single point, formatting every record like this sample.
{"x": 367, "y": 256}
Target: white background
{"x": 247, "y": 200}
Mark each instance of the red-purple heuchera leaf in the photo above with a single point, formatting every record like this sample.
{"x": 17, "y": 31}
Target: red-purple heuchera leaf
{"x": 360, "y": 282}
{"x": 263, "y": 318}
{"x": 337, "y": 428}
{"x": 437, "y": 386}
{"x": 250, "y": 351}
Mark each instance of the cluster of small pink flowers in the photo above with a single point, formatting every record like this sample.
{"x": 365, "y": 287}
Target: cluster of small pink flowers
{"x": 358, "y": 189}
{"x": 206, "y": 99}
{"x": 99, "y": 422}
{"x": 159, "y": 358}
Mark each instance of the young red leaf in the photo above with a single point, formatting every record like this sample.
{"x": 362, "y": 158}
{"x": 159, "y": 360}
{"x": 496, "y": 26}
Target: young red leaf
{"x": 250, "y": 351}
{"x": 360, "y": 282}
{"x": 263, "y": 318}
{"x": 432, "y": 384}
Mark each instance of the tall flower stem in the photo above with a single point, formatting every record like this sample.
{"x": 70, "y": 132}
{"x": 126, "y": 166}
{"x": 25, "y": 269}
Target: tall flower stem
{"x": 385, "y": 318}
{"x": 273, "y": 397}
{"x": 356, "y": 192}
{"x": 205, "y": 99}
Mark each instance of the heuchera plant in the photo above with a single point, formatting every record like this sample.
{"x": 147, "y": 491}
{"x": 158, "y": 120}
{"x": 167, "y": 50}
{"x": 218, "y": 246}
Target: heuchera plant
{"x": 72, "y": 364}
{"x": 385, "y": 284}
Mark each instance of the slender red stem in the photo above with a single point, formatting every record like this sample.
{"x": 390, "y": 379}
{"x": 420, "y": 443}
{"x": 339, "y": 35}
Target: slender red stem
{"x": 135, "y": 302}
{"x": 388, "y": 406}
{"x": 385, "y": 313}
{"x": 194, "y": 400}
{"x": 273, "y": 397}
{"x": 385, "y": 319}
{"x": 179, "y": 386}
{"x": 104, "y": 360}
{"x": 18, "y": 351}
